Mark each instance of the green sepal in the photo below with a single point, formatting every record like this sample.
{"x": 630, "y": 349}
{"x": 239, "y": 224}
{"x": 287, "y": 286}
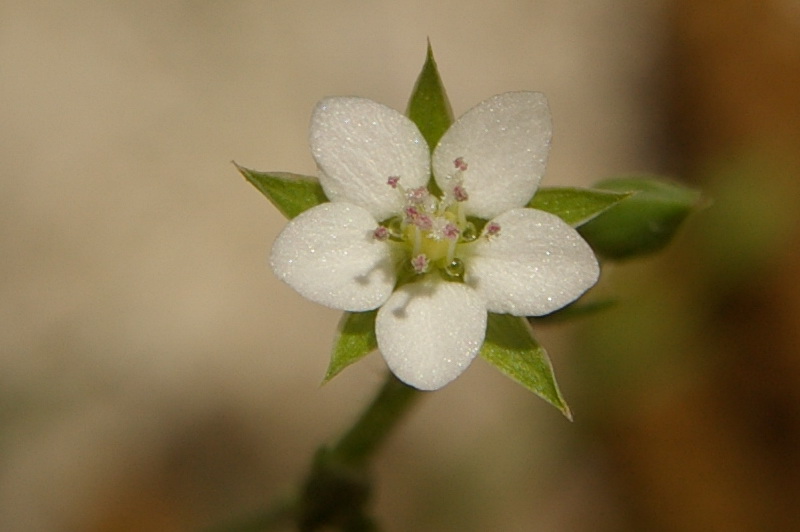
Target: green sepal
{"x": 643, "y": 223}
{"x": 510, "y": 346}
{"x": 428, "y": 106}
{"x": 576, "y": 206}
{"x": 290, "y": 193}
{"x": 356, "y": 339}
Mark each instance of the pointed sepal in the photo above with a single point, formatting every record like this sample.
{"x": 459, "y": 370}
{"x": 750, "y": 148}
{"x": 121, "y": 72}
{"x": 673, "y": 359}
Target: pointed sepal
{"x": 510, "y": 346}
{"x": 429, "y": 107}
{"x": 576, "y": 206}
{"x": 290, "y": 193}
{"x": 355, "y": 340}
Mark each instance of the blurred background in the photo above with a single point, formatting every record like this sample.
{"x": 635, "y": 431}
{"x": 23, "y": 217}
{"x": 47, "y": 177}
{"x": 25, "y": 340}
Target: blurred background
{"x": 154, "y": 375}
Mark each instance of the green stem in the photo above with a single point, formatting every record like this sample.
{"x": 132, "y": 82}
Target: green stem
{"x": 336, "y": 489}
{"x": 359, "y": 443}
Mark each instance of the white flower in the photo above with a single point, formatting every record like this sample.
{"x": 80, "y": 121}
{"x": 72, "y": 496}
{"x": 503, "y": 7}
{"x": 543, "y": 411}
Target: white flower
{"x": 384, "y": 241}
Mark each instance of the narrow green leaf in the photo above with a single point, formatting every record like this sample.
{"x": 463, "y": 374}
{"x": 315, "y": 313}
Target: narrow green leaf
{"x": 428, "y": 106}
{"x": 643, "y": 223}
{"x": 356, "y": 340}
{"x": 576, "y": 206}
{"x": 510, "y": 346}
{"x": 290, "y": 193}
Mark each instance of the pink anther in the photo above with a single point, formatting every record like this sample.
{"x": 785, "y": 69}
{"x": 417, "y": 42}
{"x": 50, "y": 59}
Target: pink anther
{"x": 420, "y": 263}
{"x": 381, "y": 233}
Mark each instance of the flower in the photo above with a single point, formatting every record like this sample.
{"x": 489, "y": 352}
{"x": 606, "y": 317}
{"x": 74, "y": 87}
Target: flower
{"x": 434, "y": 264}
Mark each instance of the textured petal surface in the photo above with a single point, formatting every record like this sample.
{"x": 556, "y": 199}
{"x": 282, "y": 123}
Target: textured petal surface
{"x": 358, "y": 144}
{"x": 328, "y": 254}
{"x": 537, "y": 264}
{"x": 504, "y": 141}
{"x": 429, "y": 332}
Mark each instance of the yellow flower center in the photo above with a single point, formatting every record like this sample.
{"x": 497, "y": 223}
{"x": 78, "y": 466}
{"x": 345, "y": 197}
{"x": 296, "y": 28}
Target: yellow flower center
{"x": 432, "y": 230}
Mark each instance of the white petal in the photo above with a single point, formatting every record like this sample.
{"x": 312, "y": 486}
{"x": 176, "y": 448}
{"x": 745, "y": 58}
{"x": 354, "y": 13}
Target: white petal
{"x": 535, "y": 265}
{"x": 358, "y": 144}
{"x": 429, "y": 332}
{"x": 329, "y": 255}
{"x": 504, "y": 141}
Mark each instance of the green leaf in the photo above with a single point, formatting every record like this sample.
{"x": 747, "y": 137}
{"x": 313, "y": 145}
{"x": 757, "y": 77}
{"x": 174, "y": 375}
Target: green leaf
{"x": 510, "y": 346}
{"x": 428, "y": 106}
{"x": 356, "y": 340}
{"x": 576, "y": 206}
{"x": 290, "y": 193}
{"x": 643, "y": 223}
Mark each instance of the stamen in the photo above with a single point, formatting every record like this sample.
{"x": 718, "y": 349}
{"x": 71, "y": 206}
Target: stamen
{"x": 425, "y": 222}
{"x": 420, "y": 263}
{"x": 462, "y": 215}
{"x": 443, "y": 229}
{"x": 492, "y": 229}
{"x": 432, "y": 228}
{"x": 460, "y": 193}
{"x": 420, "y": 219}
{"x": 412, "y": 213}
{"x": 417, "y": 239}
{"x": 417, "y": 196}
{"x": 451, "y": 251}
{"x": 381, "y": 233}
{"x": 451, "y": 231}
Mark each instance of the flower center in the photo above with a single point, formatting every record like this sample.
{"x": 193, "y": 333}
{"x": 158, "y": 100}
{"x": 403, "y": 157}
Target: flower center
{"x": 433, "y": 230}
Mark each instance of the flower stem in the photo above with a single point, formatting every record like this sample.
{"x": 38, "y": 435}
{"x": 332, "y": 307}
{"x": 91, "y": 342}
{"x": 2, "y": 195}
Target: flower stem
{"x": 359, "y": 443}
{"x": 335, "y": 491}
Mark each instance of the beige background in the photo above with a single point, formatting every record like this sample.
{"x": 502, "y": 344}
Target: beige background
{"x": 153, "y": 373}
